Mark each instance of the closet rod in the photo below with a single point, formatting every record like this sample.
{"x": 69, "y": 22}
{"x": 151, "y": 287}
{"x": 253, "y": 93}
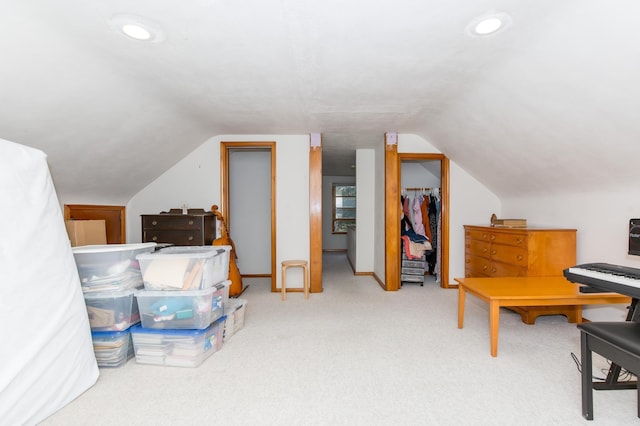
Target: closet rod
{"x": 417, "y": 189}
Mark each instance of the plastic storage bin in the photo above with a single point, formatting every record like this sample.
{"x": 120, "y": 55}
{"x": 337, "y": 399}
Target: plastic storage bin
{"x": 234, "y": 311}
{"x": 178, "y": 348}
{"x": 185, "y": 268}
{"x": 112, "y": 348}
{"x": 112, "y": 310}
{"x": 195, "y": 309}
{"x": 110, "y": 266}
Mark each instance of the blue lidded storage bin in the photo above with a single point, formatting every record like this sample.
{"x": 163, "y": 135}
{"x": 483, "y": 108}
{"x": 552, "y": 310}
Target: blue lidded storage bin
{"x": 175, "y": 347}
{"x": 112, "y": 348}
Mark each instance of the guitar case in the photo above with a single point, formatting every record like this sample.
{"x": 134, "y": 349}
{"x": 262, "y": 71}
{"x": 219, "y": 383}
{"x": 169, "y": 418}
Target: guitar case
{"x": 224, "y": 240}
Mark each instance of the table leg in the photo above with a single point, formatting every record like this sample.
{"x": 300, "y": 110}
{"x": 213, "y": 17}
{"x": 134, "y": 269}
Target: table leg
{"x": 578, "y": 314}
{"x": 494, "y": 321}
{"x": 461, "y": 296}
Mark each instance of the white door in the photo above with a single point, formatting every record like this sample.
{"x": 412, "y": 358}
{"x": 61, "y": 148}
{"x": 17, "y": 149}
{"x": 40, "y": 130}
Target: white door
{"x": 249, "y": 219}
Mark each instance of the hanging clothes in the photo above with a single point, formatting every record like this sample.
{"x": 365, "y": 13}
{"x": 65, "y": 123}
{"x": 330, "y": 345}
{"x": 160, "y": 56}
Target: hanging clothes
{"x": 433, "y": 224}
{"x": 418, "y": 225}
{"x": 437, "y": 266}
{"x": 407, "y": 210}
{"x": 424, "y": 209}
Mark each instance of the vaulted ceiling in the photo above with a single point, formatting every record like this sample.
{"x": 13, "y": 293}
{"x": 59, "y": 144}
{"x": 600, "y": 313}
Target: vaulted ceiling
{"x": 550, "y": 102}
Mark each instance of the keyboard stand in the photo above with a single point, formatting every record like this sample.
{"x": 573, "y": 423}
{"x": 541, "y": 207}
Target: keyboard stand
{"x": 611, "y": 382}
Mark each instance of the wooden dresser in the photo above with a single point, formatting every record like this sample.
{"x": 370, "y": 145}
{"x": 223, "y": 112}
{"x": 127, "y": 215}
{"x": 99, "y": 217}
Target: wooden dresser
{"x": 521, "y": 252}
{"x": 197, "y": 228}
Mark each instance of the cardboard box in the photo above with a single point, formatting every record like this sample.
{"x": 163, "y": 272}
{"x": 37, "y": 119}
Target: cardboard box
{"x": 86, "y": 232}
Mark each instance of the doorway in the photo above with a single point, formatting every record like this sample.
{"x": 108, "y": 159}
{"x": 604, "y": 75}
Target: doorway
{"x": 248, "y": 205}
{"x": 393, "y": 186}
{"x": 420, "y": 182}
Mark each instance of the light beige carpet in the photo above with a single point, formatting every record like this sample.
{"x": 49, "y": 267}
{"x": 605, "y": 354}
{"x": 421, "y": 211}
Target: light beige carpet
{"x": 357, "y": 355}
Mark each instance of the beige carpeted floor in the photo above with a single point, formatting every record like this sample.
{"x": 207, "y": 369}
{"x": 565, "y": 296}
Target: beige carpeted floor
{"x": 357, "y": 355}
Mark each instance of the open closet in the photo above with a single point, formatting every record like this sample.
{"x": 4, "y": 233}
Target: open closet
{"x": 420, "y": 221}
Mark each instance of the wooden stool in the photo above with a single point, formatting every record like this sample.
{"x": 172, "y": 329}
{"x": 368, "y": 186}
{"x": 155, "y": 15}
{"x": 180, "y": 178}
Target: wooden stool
{"x": 305, "y": 271}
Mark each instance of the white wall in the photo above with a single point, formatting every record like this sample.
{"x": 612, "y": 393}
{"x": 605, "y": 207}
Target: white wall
{"x": 195, "y": 181}
{"x": 602, "y": 222}
{"x": 365, "y": 217}
{"x": 332, "y": 241}
{"x": 414, "y": 174}
{"x": 469, "y": 202}
{"x": 380, "y": 247}
{"x": 601, "y": 217}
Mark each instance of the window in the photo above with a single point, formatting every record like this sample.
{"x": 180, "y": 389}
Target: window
{"x": 344, "y": 207}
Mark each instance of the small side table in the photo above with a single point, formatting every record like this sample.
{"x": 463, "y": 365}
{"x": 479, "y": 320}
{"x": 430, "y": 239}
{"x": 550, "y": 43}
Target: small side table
{"x": 305, "y": 271}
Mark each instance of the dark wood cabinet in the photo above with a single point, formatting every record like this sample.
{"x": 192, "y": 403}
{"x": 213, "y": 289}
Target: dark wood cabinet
{"x": 192, "y": 229}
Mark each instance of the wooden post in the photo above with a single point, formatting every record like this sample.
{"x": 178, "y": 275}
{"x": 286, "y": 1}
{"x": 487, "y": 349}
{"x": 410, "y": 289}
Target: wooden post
{"x": 392, "y": 212}
{"x": 315, "y": 212}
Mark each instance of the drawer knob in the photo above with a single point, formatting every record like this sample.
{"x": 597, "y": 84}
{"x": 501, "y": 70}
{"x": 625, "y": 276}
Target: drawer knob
{"x": 484, "y": 267}
{"x": 518, "y": 241}
{"x": 155, "y": 238}
{"x": 493, "y": 237}
{"x": 155, "y": 222}
{"x": 191, "y": 222}
{"x": 493, "y": 252}
{"x": 484, "y": 250}
{"x": 190, "y": 238}
{"x": 519, "y": 257}
{"x": 494, "y": 270}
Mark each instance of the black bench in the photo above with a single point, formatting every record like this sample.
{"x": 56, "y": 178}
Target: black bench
{"x": 619, "y": 342}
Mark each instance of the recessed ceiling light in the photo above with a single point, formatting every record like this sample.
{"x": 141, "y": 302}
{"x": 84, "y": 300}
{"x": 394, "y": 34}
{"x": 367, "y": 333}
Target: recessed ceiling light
{"x": 488, "y": 24}
{"x": 136, "y": 27}
{"x": 136, "y": 31}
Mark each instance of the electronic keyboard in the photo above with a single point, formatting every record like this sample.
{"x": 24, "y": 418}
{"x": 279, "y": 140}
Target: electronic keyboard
{"x": 596, "y": 277}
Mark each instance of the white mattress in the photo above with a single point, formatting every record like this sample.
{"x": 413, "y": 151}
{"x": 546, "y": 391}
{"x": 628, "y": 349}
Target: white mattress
{"x": 46, "y": 355}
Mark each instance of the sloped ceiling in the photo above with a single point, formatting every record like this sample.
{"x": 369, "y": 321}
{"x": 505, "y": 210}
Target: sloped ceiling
{"x": 549, "y": 103}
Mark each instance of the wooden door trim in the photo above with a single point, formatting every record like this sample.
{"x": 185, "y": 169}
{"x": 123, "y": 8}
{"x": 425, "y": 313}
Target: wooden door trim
{"x": 69, "y": 210}
{"x": 225, "y": 147}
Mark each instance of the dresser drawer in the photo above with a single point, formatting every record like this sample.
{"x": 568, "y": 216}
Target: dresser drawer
{"x": 412, "y": 271}
{"x": 509, "y": 254}
{"x": 412, "y": 278}
{"x": 177, "y": 237}
{"x": 179, "y": 229}
{"x": 171, "y": 222}
{"x": 512, "y": 239}
{"x": 477, "y": 248}
{"x": 475, "y": 234}
{"x": 499, "y": 269}
{"x": 476, "y": 265}
{"x": 413, "y": 264}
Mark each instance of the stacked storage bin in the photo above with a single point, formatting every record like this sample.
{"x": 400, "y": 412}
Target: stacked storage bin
{"x": 182, "y": 305}
{"x": 109, "y": 275}
{"x": 234, "y": 313}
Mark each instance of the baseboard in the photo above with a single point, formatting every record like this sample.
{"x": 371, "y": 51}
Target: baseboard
{"x": 379, "y": 281}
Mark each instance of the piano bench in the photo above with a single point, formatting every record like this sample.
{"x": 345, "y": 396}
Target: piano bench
{"x": 619, "y": 342}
